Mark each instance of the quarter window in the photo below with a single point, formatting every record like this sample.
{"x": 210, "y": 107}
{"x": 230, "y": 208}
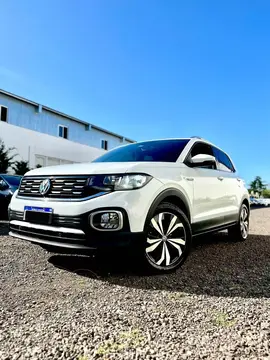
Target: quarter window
{"x": 3, "y": 113}
{"x": 224, "y": 163}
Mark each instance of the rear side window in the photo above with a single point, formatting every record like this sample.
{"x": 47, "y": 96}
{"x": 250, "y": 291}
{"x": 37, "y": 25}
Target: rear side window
{"x": 224, "y": 163}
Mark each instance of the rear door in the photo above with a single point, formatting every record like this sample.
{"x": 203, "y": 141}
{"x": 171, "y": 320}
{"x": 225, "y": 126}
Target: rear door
{"x": 230, "y": 198}
{"x": 208, "y": 207}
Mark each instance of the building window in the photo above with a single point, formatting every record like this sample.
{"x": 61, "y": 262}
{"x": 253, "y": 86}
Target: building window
{"x": 52, "y": 161}
{"x": 3, "y": 113}
{"x": 64, "y": 162}
{"x": 63, "y": 131}
{"x": 40, "y": 161}
{"x": 104, "y": 144}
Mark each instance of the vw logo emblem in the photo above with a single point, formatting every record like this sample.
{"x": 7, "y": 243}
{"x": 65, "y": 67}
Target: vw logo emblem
{"x": 44, "y": 187}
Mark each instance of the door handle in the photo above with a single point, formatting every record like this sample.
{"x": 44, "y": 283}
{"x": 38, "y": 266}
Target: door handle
{"x": 238, "y": 179}
{"x": 189, "y": 178}
{"x": 220, "y": 178}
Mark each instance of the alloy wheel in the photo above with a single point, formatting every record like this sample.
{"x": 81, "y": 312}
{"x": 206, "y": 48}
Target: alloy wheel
{"x": 244, "y": 222}
{"x": 166, "y": 240}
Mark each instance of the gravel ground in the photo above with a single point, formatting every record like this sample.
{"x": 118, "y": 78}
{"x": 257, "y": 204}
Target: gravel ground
{"x": 217, "y": 306}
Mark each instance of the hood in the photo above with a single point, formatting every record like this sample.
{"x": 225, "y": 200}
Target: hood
{"x": 100, "y": 168}
{"x": 13, "y": 188}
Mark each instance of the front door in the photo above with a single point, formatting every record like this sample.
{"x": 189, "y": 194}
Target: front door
{"x": 208, "y": 199}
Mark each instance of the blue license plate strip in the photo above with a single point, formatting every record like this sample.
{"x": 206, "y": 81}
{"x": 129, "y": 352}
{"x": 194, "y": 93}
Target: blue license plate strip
{"x": 38, "y": 215}
{"x": 38, "y": 209}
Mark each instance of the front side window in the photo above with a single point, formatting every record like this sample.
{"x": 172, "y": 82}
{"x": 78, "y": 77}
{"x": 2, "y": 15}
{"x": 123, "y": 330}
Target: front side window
{"x": 153, "y": 151}
{"x": 224, "y": 163}
{"x": 3, "y": 185}
{"x": 3, "y": 113}
{"x": 201, "y": 148}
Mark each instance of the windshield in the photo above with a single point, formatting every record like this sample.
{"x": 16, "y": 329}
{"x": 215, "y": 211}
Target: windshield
{"x": 155, "y": 151}
{"x": 12, "y": 180}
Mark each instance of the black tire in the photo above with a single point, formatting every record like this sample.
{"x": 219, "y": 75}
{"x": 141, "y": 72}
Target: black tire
{"x": 171, "y": 253}
{"x": 240, "y": 231}
{"x": 48, "y": 248}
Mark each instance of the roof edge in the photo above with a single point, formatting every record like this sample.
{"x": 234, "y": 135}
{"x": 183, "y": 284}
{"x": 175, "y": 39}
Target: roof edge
{"x": 4, "y": 92}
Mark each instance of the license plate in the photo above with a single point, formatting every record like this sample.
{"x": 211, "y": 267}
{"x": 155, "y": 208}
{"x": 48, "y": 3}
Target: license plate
{"x": 38, "y": 215}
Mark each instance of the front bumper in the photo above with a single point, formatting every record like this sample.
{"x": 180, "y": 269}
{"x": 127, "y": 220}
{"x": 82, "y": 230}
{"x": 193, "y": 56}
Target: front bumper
{"x": 70, "y": 239}
{"x": 70, "y": 228}
{"x": 48, "y": 235}
{"x": 70, "y": 232}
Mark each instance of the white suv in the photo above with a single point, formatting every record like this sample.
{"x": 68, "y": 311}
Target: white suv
{"x": 155, "y": 194}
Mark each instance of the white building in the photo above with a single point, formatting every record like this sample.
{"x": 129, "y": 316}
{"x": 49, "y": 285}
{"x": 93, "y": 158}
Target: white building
{"x": 43, "y": 136}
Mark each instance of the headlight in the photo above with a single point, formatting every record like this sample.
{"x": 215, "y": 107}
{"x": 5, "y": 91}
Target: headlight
{"x": 126, "y": 182}
{"x": 118, "y": 182}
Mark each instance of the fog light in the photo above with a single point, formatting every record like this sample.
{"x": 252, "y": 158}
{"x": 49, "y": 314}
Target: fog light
{"x": 106, "y": 220}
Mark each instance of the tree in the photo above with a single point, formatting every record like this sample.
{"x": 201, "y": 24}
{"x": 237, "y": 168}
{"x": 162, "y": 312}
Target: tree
{"x": 257, "y": 185}
{"x": 266, "y": 194}
{"x": 5, "y": 157}
{"x": 20, "y": 167}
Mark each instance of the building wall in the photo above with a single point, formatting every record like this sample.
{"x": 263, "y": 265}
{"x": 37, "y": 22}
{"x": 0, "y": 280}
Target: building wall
{"x": 36, "y": 147}
{"x": 27, "y": 116}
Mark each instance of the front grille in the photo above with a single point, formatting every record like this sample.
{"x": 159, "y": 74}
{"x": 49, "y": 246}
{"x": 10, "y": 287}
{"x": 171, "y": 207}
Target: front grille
{"x": 62, "y": 187}
{"x": 67, "y": 221}
{"x": 57, "y": 220}
{"x": 15, "y": 215}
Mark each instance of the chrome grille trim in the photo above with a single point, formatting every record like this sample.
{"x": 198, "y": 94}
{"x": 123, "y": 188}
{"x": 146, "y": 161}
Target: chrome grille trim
{"x": 46, "y": 227}
{"x": 26, "y": 231}
{"x": 50, "y": 242}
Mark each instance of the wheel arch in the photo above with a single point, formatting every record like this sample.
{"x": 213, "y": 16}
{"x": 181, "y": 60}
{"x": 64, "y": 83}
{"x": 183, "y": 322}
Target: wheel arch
{"x": 245, "y": 201}
{"x": 173, "y": 196}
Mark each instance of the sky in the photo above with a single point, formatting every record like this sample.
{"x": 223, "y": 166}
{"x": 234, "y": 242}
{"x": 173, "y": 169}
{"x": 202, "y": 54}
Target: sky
{"x": 148, "y": 69}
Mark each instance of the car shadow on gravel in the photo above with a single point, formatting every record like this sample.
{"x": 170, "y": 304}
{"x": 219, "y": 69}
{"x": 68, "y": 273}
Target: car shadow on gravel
{"x": 3, "y": 228}
{"x": 259, "y": 207}
{"x": 216, "y": 267}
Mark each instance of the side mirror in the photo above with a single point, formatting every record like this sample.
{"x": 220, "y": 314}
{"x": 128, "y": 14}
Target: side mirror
{"x": 3, "y": 185}
{"x": 203, "y": 160}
